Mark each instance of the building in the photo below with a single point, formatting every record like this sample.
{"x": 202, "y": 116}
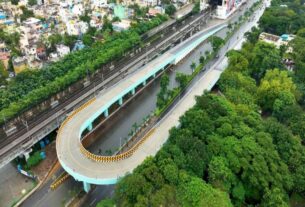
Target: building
{"x": 98, "y": 3}
{"x": 122, "y": 25}
{"x": 156, "y": 10}
{"x": 278, "y": 41}
{"x": 203, "y": 4}
{"x": 75, "y": 27}
{"x": 226, "y": 7}
{"x": 122, "y": 12}
{"x": 62, "y": 50}
{"x": 19, "y": 63}
{"x": 142, "y": 3}
{"x": 5, "y": 54}
{"x": 30, "y": 33}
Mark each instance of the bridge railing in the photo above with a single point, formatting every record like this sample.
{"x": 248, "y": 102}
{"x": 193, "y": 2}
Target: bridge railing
{"x": 115, "y": 158}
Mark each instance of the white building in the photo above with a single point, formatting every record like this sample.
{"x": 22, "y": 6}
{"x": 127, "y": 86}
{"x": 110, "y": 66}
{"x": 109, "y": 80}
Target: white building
{"x": 98, "y": 3}
{"x": 122, "y": 25}
{"x": 62, "y": 50}
{"x": 203, "y": 4}
{"x": 227, "y": 7}
{"x": 30, "y": 32}
{"x": 75, "y": 27}
{"x": 277, "y": 41}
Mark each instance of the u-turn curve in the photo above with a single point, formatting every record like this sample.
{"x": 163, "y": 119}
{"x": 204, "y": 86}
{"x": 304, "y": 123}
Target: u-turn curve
{"x": 93, "y": 169}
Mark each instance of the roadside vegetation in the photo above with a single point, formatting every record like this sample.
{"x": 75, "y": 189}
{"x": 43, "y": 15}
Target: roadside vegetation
{"x": 244, "y": 145}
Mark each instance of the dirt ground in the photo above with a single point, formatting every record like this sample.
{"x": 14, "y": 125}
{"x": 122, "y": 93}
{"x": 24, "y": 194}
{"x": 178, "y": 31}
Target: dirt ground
{"x": 43, "y": 168}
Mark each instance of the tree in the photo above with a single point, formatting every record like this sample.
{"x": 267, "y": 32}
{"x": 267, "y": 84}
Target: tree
{"x": 88, "y": 40}
{"x": 276, "y": 85}
{"x": 26, "y": 13}
{"x": 193, "y": 66}
{"x": 164, "y": 93}
{"x": 85, "y": 17}
{"x": 216, "y": 42}
{"x": 170, "y": 9}
{"x": 265, "y": 57}
{"x": 182, "y": 79}
{"x": 32, "y": 2}
{"x": 201, "y": 59}
{"x": 253, "y": 35}
{"x": 220, "y": 176}
{"x": 195, "y": 192}
{"x": 274, "y": 197}
{"x": 15, "y": 2}
{"x": 301, "y": 32}
{"x": 69, "y": 40}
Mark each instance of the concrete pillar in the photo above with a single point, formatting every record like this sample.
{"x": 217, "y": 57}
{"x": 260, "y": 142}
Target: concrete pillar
{"x": 120, "y": 101}
{"x": 106, "y": 113}
{"x": 144, "y": 83}
{"x": 87, "y": 187}
{"x": 90, "y": 127}
{"x": 154, "y": 75}
{"x": 133, "y": 91}
{"x": 26, "y": 155}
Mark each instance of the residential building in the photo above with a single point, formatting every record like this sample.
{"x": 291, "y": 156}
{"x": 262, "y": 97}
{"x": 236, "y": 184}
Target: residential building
{"x": 278, "y": 41}
{"x": 19, "y": 63}
{"x": 62, "y": 50}
{"x": 121, "y": 25}
{"x": 226, "y": 7}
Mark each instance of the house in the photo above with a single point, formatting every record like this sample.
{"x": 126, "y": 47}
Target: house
{"x": 30, "y": 33}
{"x": 156, "y": 10}
{"x": 62, "y": 50}
{"x": 121, "y": 25}
{"x": 19, "y": 63}
{"x": 41, "y": 52}
{"x": 5, "y": 55}
{"x": 122, "y": 12}
{"x": 278, "y": 41}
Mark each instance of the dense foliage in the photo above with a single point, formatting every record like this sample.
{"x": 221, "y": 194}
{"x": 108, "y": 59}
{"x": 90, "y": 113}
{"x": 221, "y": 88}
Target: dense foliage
{"x": 32, "y": 86}
{"x": 283, "y": 17}
{"x": 243, "y": 148}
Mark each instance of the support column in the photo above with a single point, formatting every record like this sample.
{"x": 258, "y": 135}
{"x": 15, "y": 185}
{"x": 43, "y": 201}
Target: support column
{"x": 90, "y": 127}
{"x": 133, "y": 91}
{"x": 144, "y": 83}
{"x": 26, "y": 156}
{"x": 87, "y": 187}
{"x": 120, "y": 101}
{"x": 154, "y": 75}
{"x": 106, "y": 113}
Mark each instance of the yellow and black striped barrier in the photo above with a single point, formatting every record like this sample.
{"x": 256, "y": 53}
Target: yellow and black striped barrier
{"x": 62, "y": 178}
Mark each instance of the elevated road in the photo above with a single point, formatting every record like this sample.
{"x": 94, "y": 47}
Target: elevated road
{"x": 86, "y": 167}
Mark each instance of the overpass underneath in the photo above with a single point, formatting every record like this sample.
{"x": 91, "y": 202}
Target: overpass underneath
{"x": 94, "y": 169}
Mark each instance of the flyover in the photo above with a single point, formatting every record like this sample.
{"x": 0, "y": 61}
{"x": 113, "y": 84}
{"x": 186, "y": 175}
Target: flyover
{"x": 94, "y": 169}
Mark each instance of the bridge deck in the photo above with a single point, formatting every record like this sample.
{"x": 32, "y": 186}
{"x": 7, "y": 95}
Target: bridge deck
{"x": 68, "y": 139}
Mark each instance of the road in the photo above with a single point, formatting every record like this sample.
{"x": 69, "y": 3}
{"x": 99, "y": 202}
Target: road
{"x": 53, "y": 197}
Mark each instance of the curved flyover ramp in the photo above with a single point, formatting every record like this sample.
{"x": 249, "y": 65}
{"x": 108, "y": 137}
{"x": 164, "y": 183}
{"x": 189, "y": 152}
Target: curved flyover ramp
{"x": 93, "y": 169}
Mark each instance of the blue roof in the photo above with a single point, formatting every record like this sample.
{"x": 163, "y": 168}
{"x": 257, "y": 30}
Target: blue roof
{"x": 285, "y": 36}
{"x": 2, "y": 15}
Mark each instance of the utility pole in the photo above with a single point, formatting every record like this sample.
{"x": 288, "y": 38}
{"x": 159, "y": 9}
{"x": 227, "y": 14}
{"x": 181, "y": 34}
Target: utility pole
{"x": 25, "y": 123}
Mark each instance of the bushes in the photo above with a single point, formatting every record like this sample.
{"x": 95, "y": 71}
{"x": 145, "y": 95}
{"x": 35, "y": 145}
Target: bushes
{"x": 34, "y": 159}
